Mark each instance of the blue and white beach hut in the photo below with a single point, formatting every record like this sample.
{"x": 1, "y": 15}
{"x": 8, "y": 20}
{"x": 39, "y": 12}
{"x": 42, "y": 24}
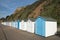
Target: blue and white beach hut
{"x": 17, "y": 24}
{"x": 23, "y": 25}
{"x": 45, "y": 26}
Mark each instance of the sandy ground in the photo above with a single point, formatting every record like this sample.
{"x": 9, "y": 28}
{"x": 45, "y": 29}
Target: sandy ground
{"x": 15, "y": 34}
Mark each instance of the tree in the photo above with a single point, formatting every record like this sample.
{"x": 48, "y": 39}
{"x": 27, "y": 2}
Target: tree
{"x": 7, "y": 17}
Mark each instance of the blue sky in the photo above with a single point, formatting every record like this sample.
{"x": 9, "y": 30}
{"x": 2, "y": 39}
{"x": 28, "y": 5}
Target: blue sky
{"x": 7, "y": 7}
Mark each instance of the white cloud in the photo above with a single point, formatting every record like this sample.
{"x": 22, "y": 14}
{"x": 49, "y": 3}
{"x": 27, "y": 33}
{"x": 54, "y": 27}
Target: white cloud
{"x": 5, "y": 5}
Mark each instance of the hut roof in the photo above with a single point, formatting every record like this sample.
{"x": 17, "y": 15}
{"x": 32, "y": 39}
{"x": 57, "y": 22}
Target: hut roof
{"x": 32, "y": 19}
{"x": 44, "y": 18}
{"x": 47, "y": 18}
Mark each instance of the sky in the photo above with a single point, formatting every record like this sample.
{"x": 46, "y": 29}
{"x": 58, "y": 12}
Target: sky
{"x": 7, "y": 7}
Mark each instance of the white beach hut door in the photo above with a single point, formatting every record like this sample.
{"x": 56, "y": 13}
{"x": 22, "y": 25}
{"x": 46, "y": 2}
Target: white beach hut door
{"x": 23, "y": 25}
{"x": 4, "y": 23}
{"x": 9, "y": 23}
{"x": 16, "y": 24}
{"x": 30, "y": 27}
{"x": 13, "y": 24}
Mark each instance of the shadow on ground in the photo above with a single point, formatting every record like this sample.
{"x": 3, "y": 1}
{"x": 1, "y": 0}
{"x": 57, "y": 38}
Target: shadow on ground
{"x": 58, "y": 34}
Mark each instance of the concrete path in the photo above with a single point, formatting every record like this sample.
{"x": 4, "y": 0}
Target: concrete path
{"x": 2, "y": 37}
{"x": 15, "y": 34}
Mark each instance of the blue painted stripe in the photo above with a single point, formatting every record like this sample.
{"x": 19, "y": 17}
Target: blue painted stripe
{"x": 18, "y": 24}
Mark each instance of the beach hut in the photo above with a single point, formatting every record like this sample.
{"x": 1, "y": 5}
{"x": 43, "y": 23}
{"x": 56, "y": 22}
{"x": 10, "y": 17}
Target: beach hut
{"x": 17, "y": 24}
{"x": 9, "y": 23}
{"x": 23, "y": 25}
{"x": 4, "y": 23}
{"x": 13, "y": 24}
{"x": 30, "y": 25}
{"x": 45, "y": 26}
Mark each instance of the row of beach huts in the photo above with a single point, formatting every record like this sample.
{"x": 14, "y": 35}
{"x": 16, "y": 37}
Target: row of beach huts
{"x": 42, "y": 26}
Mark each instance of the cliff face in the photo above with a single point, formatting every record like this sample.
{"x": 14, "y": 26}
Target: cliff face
{"x": 37, "y": 10}
{"x": 25, "y": 12}
{"x": 47, "y": 8}
{"x": 52, "y": 9}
